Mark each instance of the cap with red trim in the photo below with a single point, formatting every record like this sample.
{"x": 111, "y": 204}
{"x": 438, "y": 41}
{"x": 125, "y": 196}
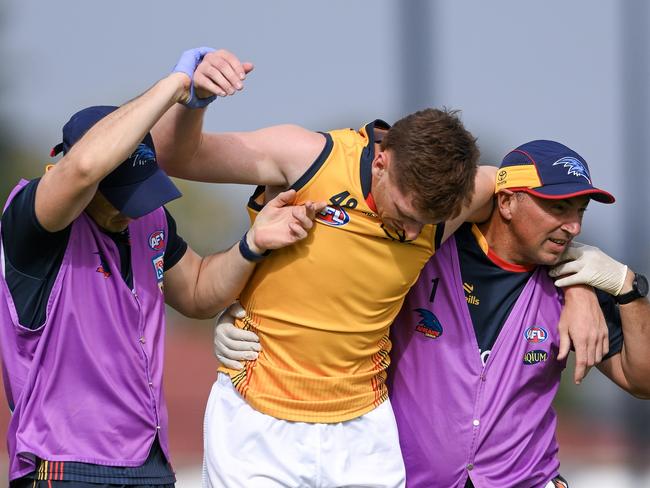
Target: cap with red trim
{"x": 548, "y": 169}
{"x": 138, "y": 185}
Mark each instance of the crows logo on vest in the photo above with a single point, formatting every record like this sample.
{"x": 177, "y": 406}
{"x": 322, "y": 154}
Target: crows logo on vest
{"x": 535, "y": 335}
{"x": 333, "y": 216}
{"x": 103, "y": 266}
{"x": 159, "y": 268}
{"x": 157, "y": 240}
{"x": 536, "y": 356}
{"x": 429, "y": 325}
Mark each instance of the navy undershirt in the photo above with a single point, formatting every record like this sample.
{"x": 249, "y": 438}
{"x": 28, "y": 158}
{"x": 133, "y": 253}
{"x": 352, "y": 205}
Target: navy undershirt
{"x": 491, "y": 291}
{"x": 33, "y": 258}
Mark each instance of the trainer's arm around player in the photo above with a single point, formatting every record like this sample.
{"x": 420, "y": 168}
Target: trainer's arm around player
{"x": 588, "y": 265}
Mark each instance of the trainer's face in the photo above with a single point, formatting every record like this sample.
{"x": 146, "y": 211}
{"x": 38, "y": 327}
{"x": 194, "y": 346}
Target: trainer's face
{"x": 394, "y": 207}
{"x": 106, "y": 215}
{"x": 543, "y": 228}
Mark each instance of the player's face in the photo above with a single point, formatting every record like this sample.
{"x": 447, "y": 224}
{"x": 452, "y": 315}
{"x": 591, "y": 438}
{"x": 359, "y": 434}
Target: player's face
{"x": 395, "y": 208}
{"x": 543, "y": 228}
{"x": 106, "y": 215}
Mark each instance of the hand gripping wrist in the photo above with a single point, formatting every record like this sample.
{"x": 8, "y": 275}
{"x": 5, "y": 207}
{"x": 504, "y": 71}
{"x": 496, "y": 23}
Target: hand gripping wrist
{"x": 248, "y": 254}
{"x": 187, "y": 64}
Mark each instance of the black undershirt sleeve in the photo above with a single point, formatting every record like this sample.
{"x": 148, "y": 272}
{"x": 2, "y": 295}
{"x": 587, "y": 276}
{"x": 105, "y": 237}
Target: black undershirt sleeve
{"x": 32, "y": 256}
{"x": 613, "y": 320}
{"x": 176, "y": 246}
{"x": 30, "y": 248}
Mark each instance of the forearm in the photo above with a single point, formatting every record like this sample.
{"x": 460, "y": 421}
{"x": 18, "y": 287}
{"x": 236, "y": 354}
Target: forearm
{"x": 177, "y": 136}
{"x": 107, "y": 144}
{"x": 67, "y": 189}
{"x": 221, "y": 279}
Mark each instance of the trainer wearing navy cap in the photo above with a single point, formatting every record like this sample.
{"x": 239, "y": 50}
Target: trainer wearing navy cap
{"x": 89, "y": 257}
{"x": 486, "y": 419}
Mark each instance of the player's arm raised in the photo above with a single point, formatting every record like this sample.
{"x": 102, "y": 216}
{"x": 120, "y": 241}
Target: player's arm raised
{"x": 275, "y": 156}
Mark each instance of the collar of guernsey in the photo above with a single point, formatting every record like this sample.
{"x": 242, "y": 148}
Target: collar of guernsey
{"x": 366, "y": 161}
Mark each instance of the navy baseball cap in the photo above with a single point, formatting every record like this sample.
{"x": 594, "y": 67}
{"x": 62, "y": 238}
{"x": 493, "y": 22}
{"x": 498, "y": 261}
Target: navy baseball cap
{"x": 548, "y": 169}
{"x": 137, "y": 186}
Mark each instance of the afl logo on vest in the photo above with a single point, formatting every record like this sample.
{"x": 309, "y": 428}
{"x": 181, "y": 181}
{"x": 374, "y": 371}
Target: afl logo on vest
{"x": 534, "y": 357}
{"x": 333, "y": 216}
{"x": 157, "y": 240}
{"x": 536, "y": 335}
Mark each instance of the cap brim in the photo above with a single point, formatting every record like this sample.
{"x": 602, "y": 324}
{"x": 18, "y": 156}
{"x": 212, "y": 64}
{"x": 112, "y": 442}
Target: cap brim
{"x": 558, "y": 192}
{"x": 143, "y": 197}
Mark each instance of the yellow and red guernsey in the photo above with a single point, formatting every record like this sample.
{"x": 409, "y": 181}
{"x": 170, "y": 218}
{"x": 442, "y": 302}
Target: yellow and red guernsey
{"x": 322, "y": 307}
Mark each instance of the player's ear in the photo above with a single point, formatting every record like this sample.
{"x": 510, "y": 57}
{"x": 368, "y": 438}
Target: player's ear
{"x": 381, "y": 163}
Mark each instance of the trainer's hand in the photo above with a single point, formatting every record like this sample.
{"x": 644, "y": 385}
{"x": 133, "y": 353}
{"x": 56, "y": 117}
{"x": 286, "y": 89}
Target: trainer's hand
{"x": 220, "y": 74}
{"x": 232, "y": 344}
{"x": 583, "y": 324}
{"x": 281, "y": 224}
{"x": 588, "y": 265}
{"x": 187, "y": 64}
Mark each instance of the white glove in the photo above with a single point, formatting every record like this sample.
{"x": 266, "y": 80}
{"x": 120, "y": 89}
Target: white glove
{"x": 588, "y": 265}
{"x": 232, "y": 344}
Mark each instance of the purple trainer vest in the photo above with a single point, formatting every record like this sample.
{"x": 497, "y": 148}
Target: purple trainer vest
{"x": 456, "y": 417}
{"x": 87, "y": 385}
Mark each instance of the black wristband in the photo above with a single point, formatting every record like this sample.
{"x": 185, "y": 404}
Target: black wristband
{"x": 248, "y": 254}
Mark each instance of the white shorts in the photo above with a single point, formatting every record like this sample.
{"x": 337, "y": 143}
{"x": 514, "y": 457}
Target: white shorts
{"x": 246, "y": 448}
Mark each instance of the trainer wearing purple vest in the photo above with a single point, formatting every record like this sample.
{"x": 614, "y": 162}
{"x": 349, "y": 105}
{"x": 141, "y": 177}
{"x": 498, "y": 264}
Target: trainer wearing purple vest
{"x": 89, "y": 258}
{"x": 474, "y": 362}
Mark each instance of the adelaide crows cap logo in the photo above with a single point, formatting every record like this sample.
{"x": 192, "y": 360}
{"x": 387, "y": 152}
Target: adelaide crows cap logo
{"x": 575, "y": 167}
{"x": 429, "y": 325}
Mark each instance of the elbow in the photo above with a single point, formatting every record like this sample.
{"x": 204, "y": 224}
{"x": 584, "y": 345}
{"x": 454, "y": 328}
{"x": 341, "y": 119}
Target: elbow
{"x": 81, "y": 169}
{"x": 640, "y": 392}
{"x": 203, "y": 311}
{"x": 199, "y": 314}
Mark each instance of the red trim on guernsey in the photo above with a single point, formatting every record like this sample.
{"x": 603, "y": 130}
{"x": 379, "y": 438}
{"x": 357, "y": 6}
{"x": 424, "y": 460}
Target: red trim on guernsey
{"x": 370, "y": 201}
{"x": 503, "y": 264}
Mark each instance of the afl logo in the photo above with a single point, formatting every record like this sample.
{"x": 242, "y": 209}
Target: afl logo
{"x": 536, "y": 335}
{"x": 157, "y": 240}
{"x": 534, "y": 357}
{"x": 333, "y": 216}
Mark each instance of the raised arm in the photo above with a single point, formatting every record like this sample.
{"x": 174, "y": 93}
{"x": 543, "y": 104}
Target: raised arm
{"x": 275, "y": 156}
{"x": 65, "y": 191}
